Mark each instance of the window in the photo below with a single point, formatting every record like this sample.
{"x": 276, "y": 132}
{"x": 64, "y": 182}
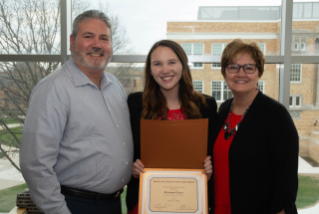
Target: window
{"x": 303, "y": 46}
{"x": 294, "y": 101}
{"x": 194, "y": 49}
{"x": 291, "y": 100}
{"x": 217, "y": 90}
{"x": 262, "y": 47}
{"x": 297, "y": 101}
{"x": 216, "y": 65}
{"x": 295, "y": 73}
{"x": 220, "y": 91}
{"x": 261, "y": 86}
{"x": 296, "y": 46}
{"x": 217, "y": 49}
{"x": 198, "y": 85}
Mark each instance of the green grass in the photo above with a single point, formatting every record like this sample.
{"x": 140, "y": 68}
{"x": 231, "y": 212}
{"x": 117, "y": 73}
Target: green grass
{"x": 123, "y": 195}
{"x": 6, "y": 137}
{"x": 10, "y": 121}
{"x": 308, "y": 191}
{"x": 8, "y": 198}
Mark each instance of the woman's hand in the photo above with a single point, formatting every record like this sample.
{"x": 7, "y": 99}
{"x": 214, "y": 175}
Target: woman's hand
{"x": 137, "y": 168}
{"x": 208, "y": 167}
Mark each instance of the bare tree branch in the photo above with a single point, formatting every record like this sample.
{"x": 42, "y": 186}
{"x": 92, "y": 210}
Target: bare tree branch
{"x": 32, "y": 27}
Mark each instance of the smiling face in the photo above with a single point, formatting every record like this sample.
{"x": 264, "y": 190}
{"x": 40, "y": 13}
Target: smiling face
{"x": 92, "y": 47}
{"x": 241, "y": 83}
{"x": 166, "y": 69}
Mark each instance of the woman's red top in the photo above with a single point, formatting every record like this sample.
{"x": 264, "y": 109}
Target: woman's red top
{"x": 221, "y": 168}
{"x": 175, "y": 114}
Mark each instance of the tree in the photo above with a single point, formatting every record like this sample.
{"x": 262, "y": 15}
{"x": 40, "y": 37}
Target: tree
{"x": 32, "y": 27}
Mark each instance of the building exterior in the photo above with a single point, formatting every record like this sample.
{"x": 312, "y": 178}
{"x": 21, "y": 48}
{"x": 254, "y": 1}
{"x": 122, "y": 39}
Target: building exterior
{"x": 217, "y": 26}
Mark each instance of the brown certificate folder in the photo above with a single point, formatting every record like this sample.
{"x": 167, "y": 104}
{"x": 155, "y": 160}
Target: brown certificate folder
{"x": 174, "y": 144}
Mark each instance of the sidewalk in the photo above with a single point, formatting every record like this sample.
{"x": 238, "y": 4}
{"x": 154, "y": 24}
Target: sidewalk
{"x": 11, "y": 125}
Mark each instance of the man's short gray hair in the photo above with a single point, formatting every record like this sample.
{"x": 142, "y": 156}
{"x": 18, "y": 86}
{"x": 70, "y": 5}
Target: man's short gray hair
{"x": 90, "y": 14}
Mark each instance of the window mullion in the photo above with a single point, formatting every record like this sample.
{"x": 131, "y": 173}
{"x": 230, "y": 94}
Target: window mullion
{"x": 285, "y": 51}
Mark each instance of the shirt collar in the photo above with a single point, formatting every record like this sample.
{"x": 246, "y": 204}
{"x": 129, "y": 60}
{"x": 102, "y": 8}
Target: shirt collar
{"x": 80, "y": 78}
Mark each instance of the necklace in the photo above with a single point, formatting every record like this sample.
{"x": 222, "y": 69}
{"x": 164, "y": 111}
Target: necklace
{"x": 229, "y": 132}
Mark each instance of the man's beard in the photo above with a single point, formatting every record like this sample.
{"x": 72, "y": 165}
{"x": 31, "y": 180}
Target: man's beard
{"x": 82, "y": 59}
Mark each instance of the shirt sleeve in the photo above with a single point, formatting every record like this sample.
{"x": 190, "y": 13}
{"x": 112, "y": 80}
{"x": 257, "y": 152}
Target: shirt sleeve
{"x": 284, "y": 142}
{"x": 42, "y": 133}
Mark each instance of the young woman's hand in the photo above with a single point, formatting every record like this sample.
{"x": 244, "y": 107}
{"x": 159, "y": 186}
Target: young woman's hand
{"x": 137, "y": 168}
{"x": 208, "y": 167}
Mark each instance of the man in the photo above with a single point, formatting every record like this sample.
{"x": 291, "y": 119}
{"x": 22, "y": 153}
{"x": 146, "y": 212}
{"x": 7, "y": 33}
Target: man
{"x": 76, "y": 150}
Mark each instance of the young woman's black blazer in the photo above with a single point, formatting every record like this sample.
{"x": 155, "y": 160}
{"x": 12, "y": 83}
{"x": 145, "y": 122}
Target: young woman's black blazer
{"x": 135, "y": 107}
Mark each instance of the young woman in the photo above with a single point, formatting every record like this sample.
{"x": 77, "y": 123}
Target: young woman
{"x": 168, "y": 95}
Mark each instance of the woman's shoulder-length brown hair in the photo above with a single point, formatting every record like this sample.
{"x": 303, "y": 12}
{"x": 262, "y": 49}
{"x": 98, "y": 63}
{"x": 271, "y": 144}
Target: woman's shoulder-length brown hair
{"x": 154, "y": 102}
{"x": 237, "y": 48}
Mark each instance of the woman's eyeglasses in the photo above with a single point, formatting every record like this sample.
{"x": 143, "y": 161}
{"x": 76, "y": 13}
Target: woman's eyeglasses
{"x": 248, "y": 68}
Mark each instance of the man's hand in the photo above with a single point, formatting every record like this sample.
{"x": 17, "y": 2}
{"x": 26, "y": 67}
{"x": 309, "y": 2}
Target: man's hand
{"x": 137, "y": 168}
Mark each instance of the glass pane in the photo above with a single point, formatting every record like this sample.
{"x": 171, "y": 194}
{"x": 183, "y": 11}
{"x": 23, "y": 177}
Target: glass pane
{"x": 198, "y": 49}
{"x": 187, "y": 48}
{"x": 130, "y": 75}
{"x": 17, "y": 80}
{"x": 297, "y": 101}
{"x": 198, "y": 85}
{"x": 197, "y": 65}
{"x": 295, "y": 73}
{"x": 141, "y": 25}
{"x": 31, "y": 27}
{"x": 217, "y": 49}
{"x": 305, "y": 37}
{"x": 304, "y": 109}
{"x": 216, "y": 90}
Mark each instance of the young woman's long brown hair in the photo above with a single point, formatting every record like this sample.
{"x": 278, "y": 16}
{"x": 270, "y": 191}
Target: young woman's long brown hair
{"x": 154, "y": 102}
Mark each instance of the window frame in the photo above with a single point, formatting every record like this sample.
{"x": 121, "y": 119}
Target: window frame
{"x": 300, "y": 73}
{"x": 284, "y": 59}
{"x": 296, "y": 101}
{"x": 223, "y": 47}
{"x": 192, "y": 54}
{"x": 264, "y": 44}
{"x": 292, "y": 101}
{"x": 263, "y": 86}
{"x": 222, "y": 90}
{"x": 202, "y": 82}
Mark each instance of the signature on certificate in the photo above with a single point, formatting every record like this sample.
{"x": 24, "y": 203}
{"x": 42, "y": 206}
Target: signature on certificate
{"x": 184, "y": 207}
{"x": 160, "y": 205}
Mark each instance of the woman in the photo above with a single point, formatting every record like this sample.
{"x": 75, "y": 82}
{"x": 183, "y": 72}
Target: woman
{"x": 255, "y": 155}
{"x": 168, "y": 95}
